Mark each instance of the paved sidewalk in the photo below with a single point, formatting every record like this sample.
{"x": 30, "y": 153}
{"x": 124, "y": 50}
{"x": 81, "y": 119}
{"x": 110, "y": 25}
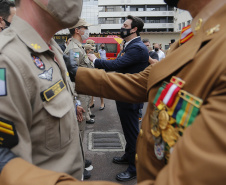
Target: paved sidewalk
{"x": 106, "y": 120}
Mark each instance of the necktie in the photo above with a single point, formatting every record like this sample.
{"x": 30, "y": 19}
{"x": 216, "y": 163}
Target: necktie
{"x": 186, "y": 34}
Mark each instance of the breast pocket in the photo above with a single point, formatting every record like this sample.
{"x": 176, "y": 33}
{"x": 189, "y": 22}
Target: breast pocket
{"x": 60, "y": 121}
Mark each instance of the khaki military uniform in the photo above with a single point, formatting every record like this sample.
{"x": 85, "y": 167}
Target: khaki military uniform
{"x": 198, "y": 156}
{"x": 38, "y": 100}
{"x": 83, "y": 61}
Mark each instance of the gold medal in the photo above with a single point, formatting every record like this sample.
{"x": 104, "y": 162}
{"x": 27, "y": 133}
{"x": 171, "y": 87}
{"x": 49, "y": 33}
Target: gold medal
{"x": 170, "y": 135}
{"x": 155, "y": 132}
{"x": 163, "y": 118}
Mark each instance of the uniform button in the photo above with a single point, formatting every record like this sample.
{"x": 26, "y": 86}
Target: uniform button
{"x": 136, "y": 157}
{"x": 141, "y": 132}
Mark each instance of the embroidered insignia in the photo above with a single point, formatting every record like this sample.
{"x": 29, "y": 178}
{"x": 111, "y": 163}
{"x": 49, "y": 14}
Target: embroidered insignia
{"x": 175, "y": 110}
{"x": 198, "y": 25}
{"x": 38, "y": 62}
{"x": 8, "y": 134}
{"x": 36, "y": 46}
{"x": 53, "y": 91}
{"x": 76, "y": 54}
{"x": 47, "y": 74}
{"x": 213, "y": 30}
{"x": 159, "y": 149}
{"x": 3, "y": 88}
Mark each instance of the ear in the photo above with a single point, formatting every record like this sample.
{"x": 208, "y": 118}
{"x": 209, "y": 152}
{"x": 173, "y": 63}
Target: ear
{"x": 76, "y": 30}
{"x": 134, "y": 29}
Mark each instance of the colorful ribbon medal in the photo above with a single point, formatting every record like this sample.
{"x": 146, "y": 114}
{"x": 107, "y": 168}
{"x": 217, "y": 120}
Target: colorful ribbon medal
{"x": 186, "y": 34}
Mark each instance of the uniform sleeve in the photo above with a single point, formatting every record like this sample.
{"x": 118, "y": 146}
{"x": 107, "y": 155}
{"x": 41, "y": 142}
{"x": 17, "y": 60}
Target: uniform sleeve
{"x": 133, "y": 55}
{"x": 15, "y": 104}
{"x": 199, "y": 156}
{"x": 122, "y": 87}
{"x": 20, "y": 172}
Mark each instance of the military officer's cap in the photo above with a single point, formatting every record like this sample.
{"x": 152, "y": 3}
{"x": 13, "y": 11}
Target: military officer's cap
{"x": 90, "y": 41}
{"x": 80, "y": 23}
{"x": 88, "y": 46}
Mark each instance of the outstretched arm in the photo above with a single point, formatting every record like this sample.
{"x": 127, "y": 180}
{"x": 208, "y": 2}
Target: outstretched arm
{"x": 122, "y": 87}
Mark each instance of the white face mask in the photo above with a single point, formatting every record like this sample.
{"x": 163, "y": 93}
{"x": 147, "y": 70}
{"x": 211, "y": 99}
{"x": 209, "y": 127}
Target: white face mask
{"x": 86, "y": 35}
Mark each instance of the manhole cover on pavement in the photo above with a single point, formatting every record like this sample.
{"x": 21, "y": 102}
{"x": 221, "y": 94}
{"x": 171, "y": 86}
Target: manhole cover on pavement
{"x": 106, "y": 141}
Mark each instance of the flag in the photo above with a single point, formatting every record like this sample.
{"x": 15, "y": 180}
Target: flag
{"x": 3, "y": 91}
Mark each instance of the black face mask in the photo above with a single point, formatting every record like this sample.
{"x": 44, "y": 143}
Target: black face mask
{"x": 125, "y": 32}
{"x": 173, "y": 3}
{"x": 102, "y": 47}
{"x": 156, "y": 49}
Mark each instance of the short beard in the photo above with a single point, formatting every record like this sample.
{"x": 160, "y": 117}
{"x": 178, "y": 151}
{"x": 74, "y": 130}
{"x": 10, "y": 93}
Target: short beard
{"x": 173, "y": 3}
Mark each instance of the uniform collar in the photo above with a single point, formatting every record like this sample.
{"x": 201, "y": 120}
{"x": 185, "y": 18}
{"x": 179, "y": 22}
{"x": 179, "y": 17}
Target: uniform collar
{"x": 76, "y": 42}
{"x": 210, "y": 9}
{"x": 28, "y": 35}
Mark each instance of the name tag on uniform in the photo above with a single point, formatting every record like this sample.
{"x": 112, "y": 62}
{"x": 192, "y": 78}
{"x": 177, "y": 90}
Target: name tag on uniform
{"x": 53, "y": 91}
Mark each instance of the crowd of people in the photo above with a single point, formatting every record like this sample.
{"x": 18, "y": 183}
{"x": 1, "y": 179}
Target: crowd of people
{"x": 46, "y": 94}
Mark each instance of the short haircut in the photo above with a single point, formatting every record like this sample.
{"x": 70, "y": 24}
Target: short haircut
{"x": 136, "y": 22}
{"x": 5, "y": 8}
{"x": 145, "y": 40}
{"x": 72, "y": 31}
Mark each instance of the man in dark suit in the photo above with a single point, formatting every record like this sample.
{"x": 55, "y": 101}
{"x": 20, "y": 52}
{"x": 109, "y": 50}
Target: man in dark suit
{"x": 134, "y": 60}
{"x": 154, "y": 58}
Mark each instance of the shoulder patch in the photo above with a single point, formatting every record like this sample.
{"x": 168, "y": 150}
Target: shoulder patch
{"x": 47, "y": 74}
{"x": 5, "y": 38}
{"x": 8, "y": 134}
{"x": 38, "y": 62}
{"x": 76, "y": 54}
{"x": 3, "y": 86}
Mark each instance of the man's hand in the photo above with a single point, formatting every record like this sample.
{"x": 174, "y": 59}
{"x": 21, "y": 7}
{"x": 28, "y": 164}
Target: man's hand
{"x": 5, "y": 156}
{"x": 92, "y": 57}
{"x": 152, "y": 61}
{"x": 71, "y": 64}
{"x": 80, "y": 110}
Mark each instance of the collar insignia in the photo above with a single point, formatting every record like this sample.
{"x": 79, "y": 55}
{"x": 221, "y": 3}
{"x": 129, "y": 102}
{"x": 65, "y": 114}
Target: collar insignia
{"x": 213, "y": 30}
{"x": 36, "y": 46}
{"x": 198, "y": 25}
{"x": 47, "y": 74}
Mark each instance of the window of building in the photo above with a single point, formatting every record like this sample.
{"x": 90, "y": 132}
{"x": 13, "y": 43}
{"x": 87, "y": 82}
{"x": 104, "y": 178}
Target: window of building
{"x": 109, "y": 21}
{"x": 179, "y": 26}
{"x": 137, "y": 8}
{"x": 189, "y": 22}
{"x": 111, "y": 48}
{"x": 183, "y": 24}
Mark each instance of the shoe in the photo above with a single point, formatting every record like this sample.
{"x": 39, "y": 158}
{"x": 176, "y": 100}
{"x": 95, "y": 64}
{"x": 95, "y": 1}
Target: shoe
{"x": 92, "y": 116}
{"x": 91, "y": 106}
{"x": 86, "y": 174}
{"x": 125, "y": 176}
{"x": 87, "y": 163}
{"x": 120, "y": 160}
{"x": 91, "y": 121}
{"x": 102, "y": 108}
